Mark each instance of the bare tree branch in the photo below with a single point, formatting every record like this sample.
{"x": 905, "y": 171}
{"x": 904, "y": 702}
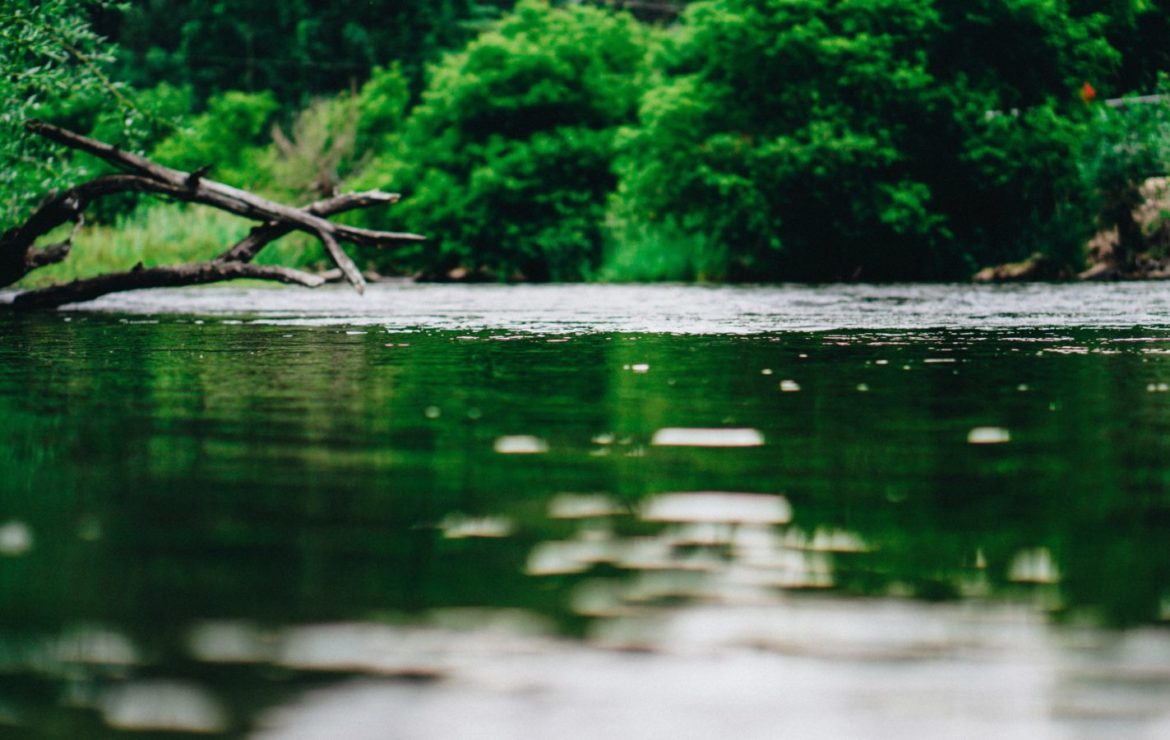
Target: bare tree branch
{"x": 159, "y": 277}
{"x": 212, "y": 193}
{"x": 19, "y": 255}
{"x": 261, "y": 236}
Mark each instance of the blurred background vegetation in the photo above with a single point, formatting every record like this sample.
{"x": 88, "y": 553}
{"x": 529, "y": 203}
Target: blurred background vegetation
{"x": 740, "y": 140}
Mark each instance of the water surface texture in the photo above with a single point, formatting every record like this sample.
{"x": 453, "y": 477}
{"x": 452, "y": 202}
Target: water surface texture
{"x": 591, "y": 511}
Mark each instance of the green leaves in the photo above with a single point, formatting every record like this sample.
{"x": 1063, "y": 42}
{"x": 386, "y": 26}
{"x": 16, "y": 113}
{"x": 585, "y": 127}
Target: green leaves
{"x": 780, "y": 131}
{"x": 229, "y": 137}
{"x": 507, "y": 163}
{"x": 822, "y": 140}
{"x": 1125, "y": 146}
{"x": 48, "y": 53}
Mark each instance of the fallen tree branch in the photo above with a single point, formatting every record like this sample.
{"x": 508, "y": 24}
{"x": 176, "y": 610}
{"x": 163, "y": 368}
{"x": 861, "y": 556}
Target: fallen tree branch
{"x": 183, "y": 186}
{"x": 19, "y": 255}
{"x": 169, "y": 276}
{"x": 246, "y": 249}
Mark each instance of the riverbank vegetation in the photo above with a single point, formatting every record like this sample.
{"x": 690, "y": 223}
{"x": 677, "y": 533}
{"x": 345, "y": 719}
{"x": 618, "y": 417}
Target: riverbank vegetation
{"x": 730, "y": 140}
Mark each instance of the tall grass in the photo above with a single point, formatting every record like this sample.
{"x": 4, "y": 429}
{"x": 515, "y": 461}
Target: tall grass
{"x": 164, "y": 234}
{"x": 661, "y": 251}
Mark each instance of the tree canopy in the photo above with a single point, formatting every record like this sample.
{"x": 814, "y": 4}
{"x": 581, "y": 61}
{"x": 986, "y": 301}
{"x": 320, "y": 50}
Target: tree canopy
{"x": 737, "y": 139}
{"x": 507, "y": 161}
{"x": 834, "y": 140}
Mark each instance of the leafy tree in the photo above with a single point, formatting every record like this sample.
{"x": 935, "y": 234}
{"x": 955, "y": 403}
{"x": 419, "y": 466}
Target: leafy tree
{"x": 295, "y": 49}
{"x": 1138, "y": 29}
{"x": 1145, "y": 52}
{"x": 229, "y": 138}
{"x": 813, "y": 140}
{"x": 506, "y": 163}
{"x": 51, "y": 65}
{"x": 1003, "y": 151}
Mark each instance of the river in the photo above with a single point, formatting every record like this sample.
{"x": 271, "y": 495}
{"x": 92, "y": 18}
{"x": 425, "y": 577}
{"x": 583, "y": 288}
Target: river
{"x": 588, "y": 511}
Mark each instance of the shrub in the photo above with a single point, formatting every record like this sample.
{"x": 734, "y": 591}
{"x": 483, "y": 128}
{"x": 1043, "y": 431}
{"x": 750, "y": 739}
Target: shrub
{"x": 333, "y": 138}
{"x": 822, "y": 141}
{"x": 507, "y": 162}
{"x": 229, "y": 137}
{"x": 1125, "y": 146}
{"x": 51, "y": 64}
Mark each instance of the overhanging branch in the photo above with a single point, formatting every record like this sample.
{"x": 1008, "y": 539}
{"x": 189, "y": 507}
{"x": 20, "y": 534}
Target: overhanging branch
{"x": 19, "y": 255}
{"x": 199, "y": 273}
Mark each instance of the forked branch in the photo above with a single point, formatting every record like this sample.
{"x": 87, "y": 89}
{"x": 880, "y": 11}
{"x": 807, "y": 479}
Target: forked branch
{"x": 19, "y": 254}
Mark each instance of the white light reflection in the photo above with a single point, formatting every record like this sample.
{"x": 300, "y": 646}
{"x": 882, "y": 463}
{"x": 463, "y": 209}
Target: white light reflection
{"x": 16, "y": 538}
{"x": 688, "y": 437}
{"x": 583, "y": 506}
{"x": 715, "y": 507}
{"x": 520, "y": 444}
{"x": 163, "y": 706}
{"x": 1034, "y": 566}
{"x": 458, "y": 527}
{"x": 988, "y": 436}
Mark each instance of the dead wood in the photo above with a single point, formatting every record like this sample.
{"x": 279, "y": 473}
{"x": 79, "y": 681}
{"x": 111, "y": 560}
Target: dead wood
{"x": 251, "y": 245}
{"x": 168, "y": 276}
{"x": 19, "y": 254}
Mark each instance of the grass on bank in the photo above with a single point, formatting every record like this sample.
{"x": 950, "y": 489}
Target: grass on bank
{"x": 662, "y": 252}
{"x": 164, "y": 234}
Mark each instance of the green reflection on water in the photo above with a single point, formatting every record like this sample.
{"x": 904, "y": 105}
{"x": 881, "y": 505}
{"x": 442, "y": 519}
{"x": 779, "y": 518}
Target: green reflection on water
{"x": 175, "y": 472}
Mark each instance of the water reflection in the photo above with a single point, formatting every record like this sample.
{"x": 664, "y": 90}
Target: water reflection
{"x": 263, "y": 529}
{"x": 162, "y": 706}
{"x": 677, "y": 437}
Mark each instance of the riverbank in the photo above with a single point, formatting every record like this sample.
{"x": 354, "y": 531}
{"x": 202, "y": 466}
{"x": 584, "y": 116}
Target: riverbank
{"x": 173, "y": 235}
{"x": 1103, "y": 254}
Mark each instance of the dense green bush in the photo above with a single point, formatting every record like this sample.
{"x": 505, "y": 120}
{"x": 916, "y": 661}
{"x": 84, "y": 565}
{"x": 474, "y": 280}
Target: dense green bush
{"x": 1139, "y": 30}
{"x": 230, "y": 138}
{"x": 1005, "y": 146}
{"x": 870, "y": 139}
{"x": 506, "y": 164}
{"x": 296, "y": 49}
{"x": 50, "y": 67}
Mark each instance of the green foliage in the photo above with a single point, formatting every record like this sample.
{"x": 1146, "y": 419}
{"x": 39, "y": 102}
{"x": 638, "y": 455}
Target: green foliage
{"x": 317, "y": 151}
{"x": 754, "y": 140}
{"x": 638, "y": 252}
{"x": 53, "y": 66}
{"x": 1124, "y": 146}
{"x": 229, "y": 137}
{"x": 1014, "y": 188}
{"x": 167, "y": 234}
{"x": 772, "y": 133}
{"x": 295, "y": 49}
{"x": 155, "y": 234}
{"x": 1017, "y": 53}
{"x": 382, "y": 104}
{"x": 844, "y": 140}
{"x": 506, "y": 164}
{"x": 333, "y": 138}
{"x": 1138, "y": 30}
{"x": 50, "y": 63}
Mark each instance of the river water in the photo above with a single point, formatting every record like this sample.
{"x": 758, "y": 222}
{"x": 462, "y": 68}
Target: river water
{"x": 588, "y": 511}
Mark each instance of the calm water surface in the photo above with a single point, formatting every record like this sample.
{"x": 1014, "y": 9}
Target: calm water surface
{"x": 599, "y": 511}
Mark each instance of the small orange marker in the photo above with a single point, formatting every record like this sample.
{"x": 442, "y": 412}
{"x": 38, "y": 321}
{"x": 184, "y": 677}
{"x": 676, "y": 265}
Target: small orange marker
{"x": 1088, "y": 92}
